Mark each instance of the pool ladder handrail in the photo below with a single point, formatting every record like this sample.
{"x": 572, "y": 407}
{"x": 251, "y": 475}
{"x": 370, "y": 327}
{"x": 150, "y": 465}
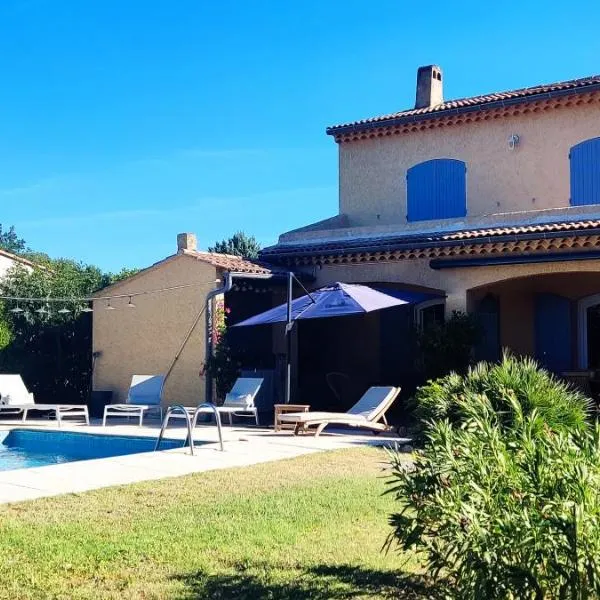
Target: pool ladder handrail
{"x": 190, "y": 423}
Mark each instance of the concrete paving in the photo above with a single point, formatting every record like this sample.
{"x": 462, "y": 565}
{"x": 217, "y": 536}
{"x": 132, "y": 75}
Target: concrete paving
{"x": 242, "y": 446}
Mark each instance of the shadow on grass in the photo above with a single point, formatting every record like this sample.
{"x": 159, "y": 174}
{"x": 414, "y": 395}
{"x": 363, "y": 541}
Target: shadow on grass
{"x": 317, "y": 583}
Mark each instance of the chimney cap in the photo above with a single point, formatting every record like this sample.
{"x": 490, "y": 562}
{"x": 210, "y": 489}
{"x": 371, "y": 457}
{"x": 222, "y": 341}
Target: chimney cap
{"x": 186, "y": 241}
{"x": 430, "y": 90}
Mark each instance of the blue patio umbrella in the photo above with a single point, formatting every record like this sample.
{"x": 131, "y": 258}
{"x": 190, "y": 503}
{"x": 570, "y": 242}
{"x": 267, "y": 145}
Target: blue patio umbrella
{"x": 337, "y": 300}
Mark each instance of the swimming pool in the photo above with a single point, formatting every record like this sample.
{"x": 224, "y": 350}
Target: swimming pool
{"x": 23, "y": 448}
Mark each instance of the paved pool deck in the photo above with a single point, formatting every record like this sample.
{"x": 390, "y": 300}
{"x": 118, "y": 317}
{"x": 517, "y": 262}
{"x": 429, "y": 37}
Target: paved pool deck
{"x": 242, "y": 446}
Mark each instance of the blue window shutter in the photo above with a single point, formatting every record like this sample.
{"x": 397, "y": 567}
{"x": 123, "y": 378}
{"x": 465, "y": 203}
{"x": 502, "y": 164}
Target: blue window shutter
{"x": 436, "y": 189}
{"x": 553, "y": 340}
{"x": 488, "y": 317}
{"x": 585, "y": 173}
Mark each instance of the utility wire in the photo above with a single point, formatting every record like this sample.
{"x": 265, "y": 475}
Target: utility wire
{"x": 94, "y": 298}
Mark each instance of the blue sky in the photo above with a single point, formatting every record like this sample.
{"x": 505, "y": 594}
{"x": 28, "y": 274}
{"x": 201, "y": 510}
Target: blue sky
{"x": 124, "y": 122}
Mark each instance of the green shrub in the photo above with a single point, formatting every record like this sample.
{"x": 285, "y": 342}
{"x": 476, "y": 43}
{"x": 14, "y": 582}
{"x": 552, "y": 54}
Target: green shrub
{"x": 503, "y": 501}
{"x": 561, "y": 407}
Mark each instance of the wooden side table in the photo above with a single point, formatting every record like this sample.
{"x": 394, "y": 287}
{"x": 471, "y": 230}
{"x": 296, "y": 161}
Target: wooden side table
{"x": 281, "y": 409}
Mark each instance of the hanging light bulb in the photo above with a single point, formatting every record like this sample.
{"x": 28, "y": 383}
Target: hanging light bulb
{"x": 64, "y": 311}
{"x": 87, "y": 309}
{"x": 41, "y": 310}
{"x": 17, "y": 309}
{"x": 130, "y": 304}
{"x": 108, "y": 306}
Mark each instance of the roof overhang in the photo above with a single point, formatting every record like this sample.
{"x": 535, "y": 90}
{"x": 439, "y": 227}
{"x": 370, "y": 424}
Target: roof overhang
{"x": 554, "y": 237}
{"x": 407, "y": 123}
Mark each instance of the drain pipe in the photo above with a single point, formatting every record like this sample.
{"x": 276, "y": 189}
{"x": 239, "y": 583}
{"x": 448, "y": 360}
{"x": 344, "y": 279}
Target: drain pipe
{"x": 228, "y": 278}
{"x": 227, "y": 284}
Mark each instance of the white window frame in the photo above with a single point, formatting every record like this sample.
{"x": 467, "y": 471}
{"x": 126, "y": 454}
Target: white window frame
{"x": 582, "y": 329}
{"x": 419, "y": 308}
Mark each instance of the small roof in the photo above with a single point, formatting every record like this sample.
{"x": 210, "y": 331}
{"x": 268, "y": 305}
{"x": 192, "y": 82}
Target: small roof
{"x": 226, "y": 262}
{"x": 234, "y": 264}
{"x": 543, "y": 91}
{"x": 17, "y": 258}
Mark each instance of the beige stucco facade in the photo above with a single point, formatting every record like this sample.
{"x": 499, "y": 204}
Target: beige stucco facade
{"x": 457, "y": 284}
{"x": 147, "y": 338}
{"x": 533, "y": 176}
{"x": 521, "y": 242}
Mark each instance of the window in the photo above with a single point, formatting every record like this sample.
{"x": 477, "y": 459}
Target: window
{"x": 585, "y": 173}
{"x": 431, "y": 312}
{"x": 588, "y": 321}
{"x": 436, "y": 189}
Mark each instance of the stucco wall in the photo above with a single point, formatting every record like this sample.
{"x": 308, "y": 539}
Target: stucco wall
{"x": 532, "y": 177}
{"x": 454, "y": 282}
{"x": 517, "y": 302}
{"x": 145, "y": 339}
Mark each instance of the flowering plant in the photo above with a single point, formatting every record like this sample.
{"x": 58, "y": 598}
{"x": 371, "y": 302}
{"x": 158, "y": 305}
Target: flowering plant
{"x": 221, "y": 365}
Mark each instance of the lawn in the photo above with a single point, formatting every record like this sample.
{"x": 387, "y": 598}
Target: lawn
{"x": 308, "y": 527}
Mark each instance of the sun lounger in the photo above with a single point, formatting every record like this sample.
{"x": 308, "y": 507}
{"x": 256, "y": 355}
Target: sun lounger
{"x": 366, "y": 413}
{"x": 239, "y": 402}
{"x": 145, "y": 394}
{"x": 16, "y": 399}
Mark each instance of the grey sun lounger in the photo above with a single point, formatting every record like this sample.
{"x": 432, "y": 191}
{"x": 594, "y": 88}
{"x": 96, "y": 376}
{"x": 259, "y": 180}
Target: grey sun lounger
{"x": 145, "y": 394}
{"x": 239, "y": 402}
{"x": 368, "y": 413}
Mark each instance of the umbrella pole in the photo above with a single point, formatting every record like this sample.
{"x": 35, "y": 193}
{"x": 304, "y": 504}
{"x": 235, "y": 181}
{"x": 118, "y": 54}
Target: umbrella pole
{"x": 288, "y": 333}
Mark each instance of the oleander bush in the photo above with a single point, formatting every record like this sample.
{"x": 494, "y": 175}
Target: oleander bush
{"x": 560, "y": 406}
{"x": 503, "y": 501}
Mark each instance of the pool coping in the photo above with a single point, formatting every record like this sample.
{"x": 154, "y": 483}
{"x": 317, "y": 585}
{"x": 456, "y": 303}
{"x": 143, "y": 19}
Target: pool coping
{"x": 243, "y": 446}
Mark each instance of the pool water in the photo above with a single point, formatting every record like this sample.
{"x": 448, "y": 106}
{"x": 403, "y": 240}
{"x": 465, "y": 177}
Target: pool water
{"x": 23, "y": 448}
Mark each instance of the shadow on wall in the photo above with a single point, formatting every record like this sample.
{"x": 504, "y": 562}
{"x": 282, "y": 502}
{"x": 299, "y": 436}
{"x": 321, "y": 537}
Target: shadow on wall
{"x": 315, "y": 583}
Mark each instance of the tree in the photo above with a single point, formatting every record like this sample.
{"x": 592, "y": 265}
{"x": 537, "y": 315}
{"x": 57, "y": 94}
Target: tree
{"x": 240, "y": 244}
{"x": 51, "y": 349}
{"x": 10, "y": 242}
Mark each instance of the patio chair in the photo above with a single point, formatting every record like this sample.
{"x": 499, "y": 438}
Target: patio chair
{"x": 366, "y": 413}
{"x": 16, "y": 399}
{"x": 14, "y": 395}
{"x": 239, "y": 402}
{"x": 145, "y": 395}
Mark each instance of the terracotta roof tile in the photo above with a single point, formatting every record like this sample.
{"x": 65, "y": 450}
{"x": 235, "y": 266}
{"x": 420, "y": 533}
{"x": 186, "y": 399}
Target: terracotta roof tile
{"x": 429, "y": 240}
{"x": 523, "y": 94}
{"x": 233, "y": 263}
{"x": 17, "y": 258}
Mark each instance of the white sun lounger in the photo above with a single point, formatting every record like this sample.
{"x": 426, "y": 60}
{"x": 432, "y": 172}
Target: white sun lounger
{"x": 239, "y": 402}
{"x": 366, "y": 413}
{"x": 16, "y": 399}
{"x": 145, "y": 394}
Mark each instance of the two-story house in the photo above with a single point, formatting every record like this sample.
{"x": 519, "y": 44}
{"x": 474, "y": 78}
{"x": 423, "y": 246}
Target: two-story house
{"x": 493, "y": 202}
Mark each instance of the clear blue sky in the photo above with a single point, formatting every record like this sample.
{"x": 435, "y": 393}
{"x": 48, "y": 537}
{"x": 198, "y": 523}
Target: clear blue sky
{"x": 124, "y": 122}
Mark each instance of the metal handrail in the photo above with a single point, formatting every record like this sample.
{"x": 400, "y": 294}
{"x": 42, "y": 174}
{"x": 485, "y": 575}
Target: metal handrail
{"x": 188, "y": 422}
{"x": 215, "y": 410}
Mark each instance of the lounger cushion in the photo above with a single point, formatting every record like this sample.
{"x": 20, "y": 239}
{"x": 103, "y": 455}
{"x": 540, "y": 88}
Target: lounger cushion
{"x": 372, "y": 401}
{"x": 239, "y": 400}
{"x": 303, "y": 417}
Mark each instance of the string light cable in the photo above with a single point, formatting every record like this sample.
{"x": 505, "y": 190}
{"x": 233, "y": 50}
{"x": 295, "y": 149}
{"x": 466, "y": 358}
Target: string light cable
{"x": 107, "y": 299}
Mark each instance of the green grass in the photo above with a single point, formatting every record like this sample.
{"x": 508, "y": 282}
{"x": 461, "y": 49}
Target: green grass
{"x": 309, "y": 527}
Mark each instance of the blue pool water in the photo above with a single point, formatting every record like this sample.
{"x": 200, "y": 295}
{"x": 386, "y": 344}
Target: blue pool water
{"x": 22, "y": 448}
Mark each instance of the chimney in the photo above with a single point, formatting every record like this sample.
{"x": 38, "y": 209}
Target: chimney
{"x": 429, "y": 87}
{"x": 186, "y": 241}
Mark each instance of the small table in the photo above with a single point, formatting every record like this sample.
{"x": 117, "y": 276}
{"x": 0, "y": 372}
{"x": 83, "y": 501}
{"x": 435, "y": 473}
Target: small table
{"x": 281, "y": 409}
